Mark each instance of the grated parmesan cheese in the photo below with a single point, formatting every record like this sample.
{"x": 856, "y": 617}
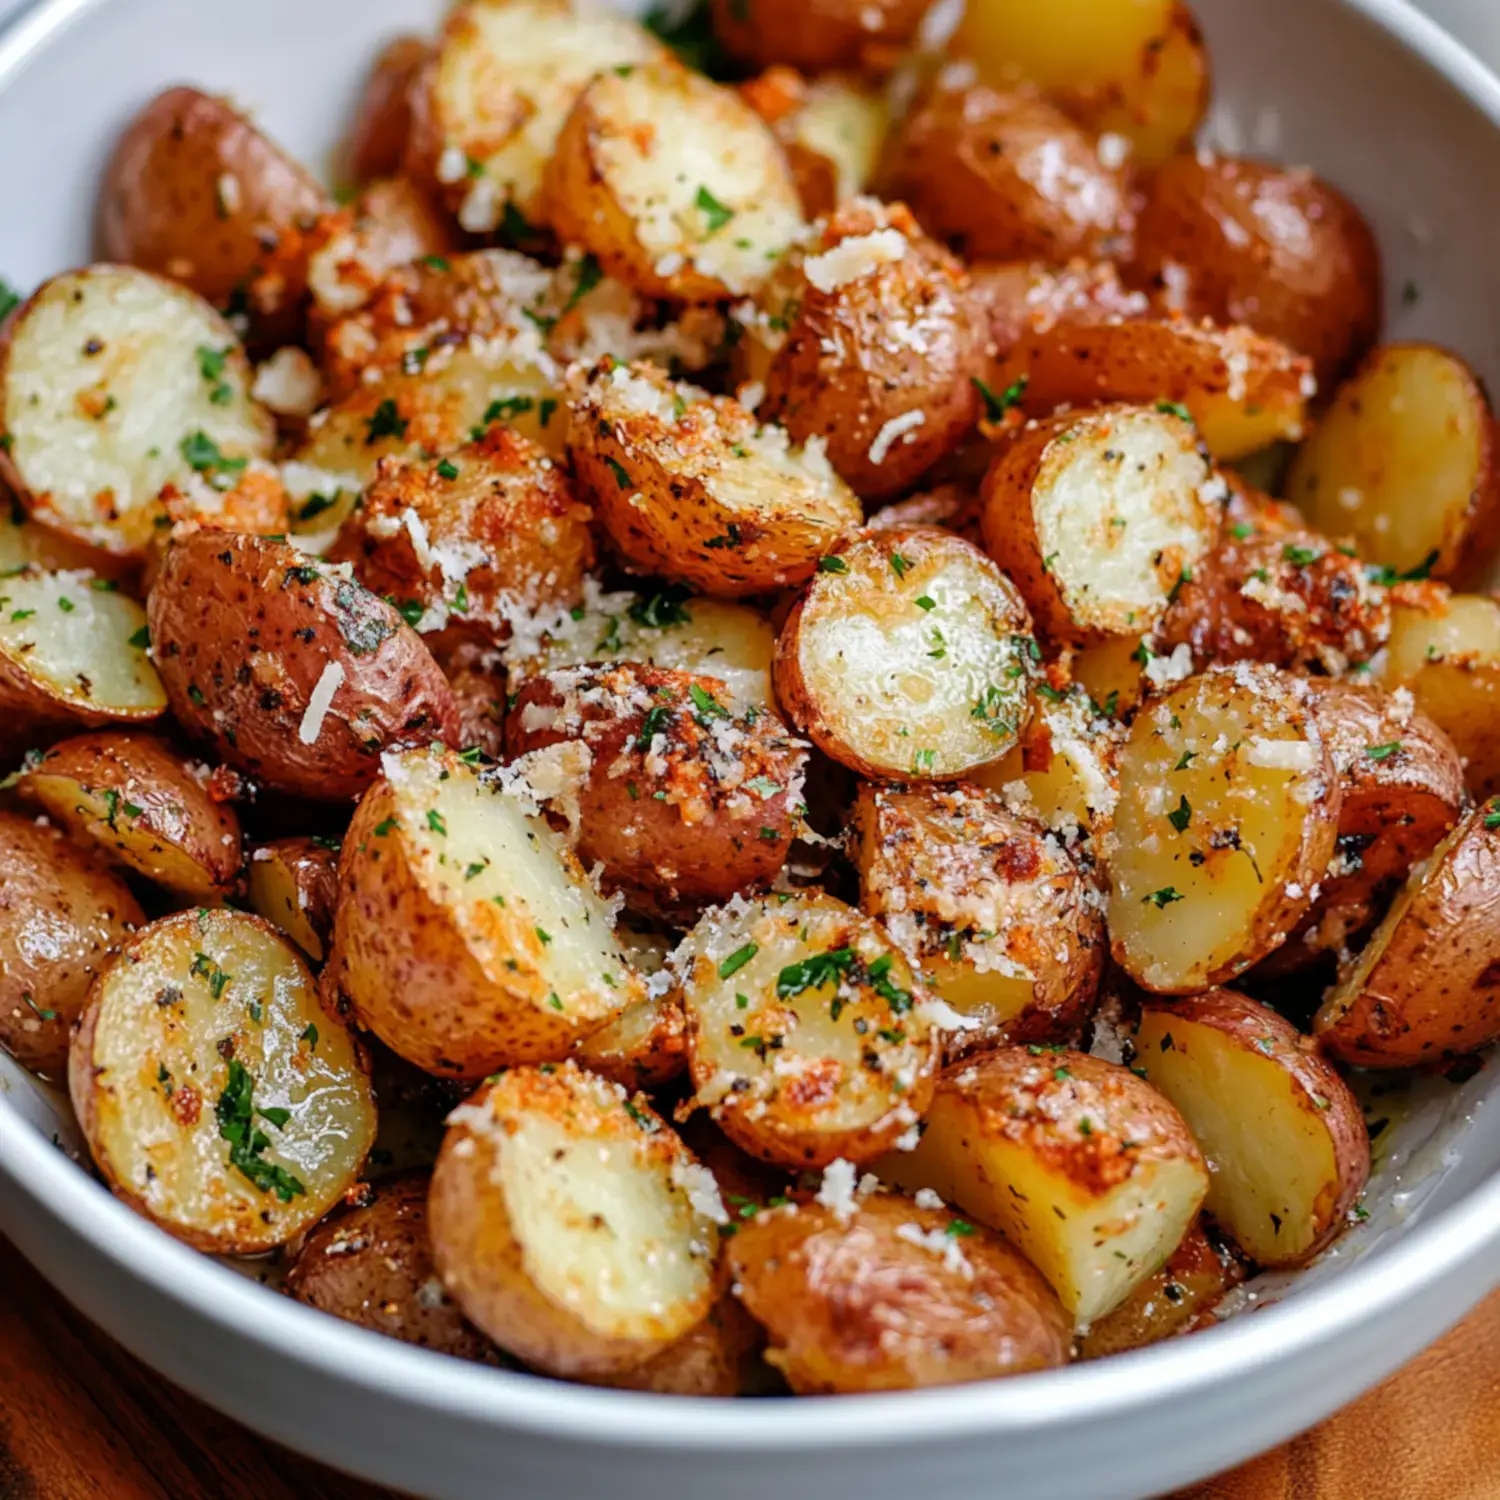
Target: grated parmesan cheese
{"x": 320, "y": 702}
{"x": 893, "y": 430}
{"x": 854, "y": 257}
{"x": 702, "y": 1190}
{"x": 1283, "y": 755}
{"x": 836, "y": 1191}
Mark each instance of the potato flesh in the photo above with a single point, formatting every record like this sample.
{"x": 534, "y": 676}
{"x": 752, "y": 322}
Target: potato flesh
{"x": 846, "y": 126}
{"x": 1178, "y": 925}
{"x": 83, "y": 646}
{"x": 72, "y": 446}
{"x": 1067, "y": 44}
{"x": 156, "y": 1070}
{"x": 276, "y": 895}
{"x": 1396, "y": 460}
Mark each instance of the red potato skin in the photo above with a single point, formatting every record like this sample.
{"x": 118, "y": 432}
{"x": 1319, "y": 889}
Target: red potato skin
{"x": 382, "y": 121}
{"x": 834, "y": 34}
{"x": 243, "y": 628}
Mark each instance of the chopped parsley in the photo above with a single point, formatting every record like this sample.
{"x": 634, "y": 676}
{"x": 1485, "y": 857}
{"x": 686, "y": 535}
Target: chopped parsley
{"x": 832, "y": 565}
{"x": 665, "y": 607}
{"x": 1164, "y": 897}
{"x": 1174, "y": 409}
{"x": 737, "y": 960}
{"x": 995, "y": 407}
{"x": 1182, "y": 816}
{"x": 236, "y": 1114}
{"x": 205, "y": 457}
{"x": 706, "y": 705}
{"x": 815, "y": 972}
{"x": 1383, "y": 752}
{"x": 211, "y": 364}
{"x": 651, "y": 725}
{"x": 715, "y": 214}
{"x": 386, "y": 422}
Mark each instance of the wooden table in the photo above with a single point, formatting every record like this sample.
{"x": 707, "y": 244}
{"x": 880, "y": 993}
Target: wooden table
{"x": 81, "y": 1420}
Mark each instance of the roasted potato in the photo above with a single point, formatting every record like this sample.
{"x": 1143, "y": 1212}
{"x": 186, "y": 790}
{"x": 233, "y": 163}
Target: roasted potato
{"x": 1005, "y": 176}
{"x": 571, "y": 1223}
{"x": 1027, "y": 297}
{"x": 989, "y": 907}
{"x": 467, "y": 936}
{"x": 217, "y": 1096}
{"x": 1282, "y": 251}
{"x": 908, "y": 656}
{"x": 630, "y": 183}
{"x": 371, "y": 1264}
{"x": 295, "y": 674}
{"x": 1099, "y": 517}
{"x": 809, "y": 1038}
{"x": 690, "y": 485}
{"x": 376, "y": 146}
{"x": 873, "y": 344}
{"x": 1287, "y": 1150}
{"x": 113, "y": 384}
{"x": 1427, "y": 985}
{"x": 820, "y": 38}
{"x": 1227, "y": 819}
{"x": 954, "y": 507}
{"x": 62, "y": 914}
{"x": 1405, "y": 462}
{"x": 479, "y": 695}
{"x": 644, "y": 1047}
{"x": 294, "y": 885}
{"x": 685, "y": 801}
{"x": 1087, "y": 1170}
{"x": 879, "y": 1293}
{"x": 194, "y": 191}
{"x": 147, "y": 808}
{"x": 716, "y": 1358}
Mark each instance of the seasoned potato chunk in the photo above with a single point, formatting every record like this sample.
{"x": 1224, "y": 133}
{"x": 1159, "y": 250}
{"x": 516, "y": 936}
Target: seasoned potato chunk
{"x": 817, "y": 38}
{"x": 909, "y": 655}
{"x": 1030, "y": 297}
{"x": 808, "y": 1037}
{"x": 883, "y": 1294}
{"x": 1086, "y": 1169}
{"x": 1227, "y": 819}
{"x": 990, "y": 908}
{"x": 217, "y": 1096}
{"x": 1100, "y": 517}
{"x": 1288, "y": 1155}
{"x": 294, "y": 885}
{"x": 570, "y": 1222}
{"x": 691, "y": 485}
{"x": 644, "y": 1047}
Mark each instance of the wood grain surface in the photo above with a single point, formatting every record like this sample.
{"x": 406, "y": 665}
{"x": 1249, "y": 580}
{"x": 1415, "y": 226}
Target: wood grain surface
{"x": 81, "y": 1420}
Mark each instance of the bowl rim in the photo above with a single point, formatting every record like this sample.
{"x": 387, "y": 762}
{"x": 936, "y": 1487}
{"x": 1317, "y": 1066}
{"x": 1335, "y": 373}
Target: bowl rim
{"x": 591, "y": 1417}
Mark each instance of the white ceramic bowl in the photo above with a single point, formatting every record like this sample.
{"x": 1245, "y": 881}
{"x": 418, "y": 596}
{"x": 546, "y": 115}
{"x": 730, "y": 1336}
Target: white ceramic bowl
{"x": 1387, "y": 107}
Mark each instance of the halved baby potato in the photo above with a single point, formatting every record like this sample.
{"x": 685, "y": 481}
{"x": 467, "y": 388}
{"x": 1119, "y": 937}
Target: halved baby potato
{"x": 113, "y": 384}
{"x": 809, "y": 1038}
{"x": 1427, "y": 985}
{"x": 1227, "y": 819}
{"x": 145, "y": 807}
{"x": 468, "y": 936}
{"x": 989, "y": 907}
{"x": 294, "y": 885}
{"x": 571, "y": 1224}
{"x": 690, "y": 485}
{"x": 1405, "y": 462}
{"x": 1098, "y": 517}
{"x": 908, "y": 656}
{"x": 1090, "y": 1172}
{"x": 884, "y": 1295}
{"x": 1288, "y": 1153}
{"x": 218, "y": 1097}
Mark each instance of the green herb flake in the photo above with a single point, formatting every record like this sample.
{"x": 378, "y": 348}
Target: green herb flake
{"x": 737, "y": 960}
{"x": 1164, "y": 897}
{"x": 995, "y": 407}
{"x": 715, "y": 214}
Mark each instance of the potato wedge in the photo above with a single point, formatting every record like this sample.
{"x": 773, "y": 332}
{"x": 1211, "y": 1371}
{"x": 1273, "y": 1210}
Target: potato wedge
{"x": 1288, "y": 1154}
{"x": 146, "y": 807}
{"x": 63, "y": 913}
{"x": 1405, "y": 462}
{"x": 690, "y": 485}
{"x": 1087, "y": 1170}
{"x": 684, "y": 802}
{"x": 818, "y": 38}
{"x": 569, "y": 1221}
{"x": 376, "y": 146}
{"x": 295, "y": 674}
{"x": 467, "y": 936}
{"x": 629, "y": 181}
{"x": 294, "y": 885}
{"x": 717, "y": 1358}
{"x": 1099, "y": 517}
{"x": 880, "y": 1294}
{"x": 1282, "y": 251}
{"x": 218, "y": 1097}
{"x": 1227, "y": 819}
{"x": 371, "y": 1264}
{"x": 989, "y": 907}
{"x": 809, "y": 1038}
{"x": 908, "y": 656}
{"x": 114, "y": 383}
{"x": 1427, "y": 985}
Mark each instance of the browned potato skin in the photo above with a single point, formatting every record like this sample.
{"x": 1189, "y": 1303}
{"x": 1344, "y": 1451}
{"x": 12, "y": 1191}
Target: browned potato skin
{"x": 479, "y": 695}
{"x": 852, "y": 1307}
{"x": 715, "y": 1359}
{"x": 703, "y": 841}
{"x": 1178, "y": 1299}
{"x": 1006, "y": 177}
{"x": 161, "y": 207}
{"x": 1434, "y": 992}
{"x": 817, "y": 38}
{"x": 172, "y": 808}
{"x": 371, "y": 1265}
{"x": 1022, "y": 297}
{"x": 62, "y": 915}
{"x": 311, "y": 870}
{"x": 951, "y": 506}
{"x": 840, "y": 375}
{"x": 382, "y": 119}
{"x": 1279, "y": 250}
{"x": 229, "y": 621}
{"x": 508, "y": 500}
